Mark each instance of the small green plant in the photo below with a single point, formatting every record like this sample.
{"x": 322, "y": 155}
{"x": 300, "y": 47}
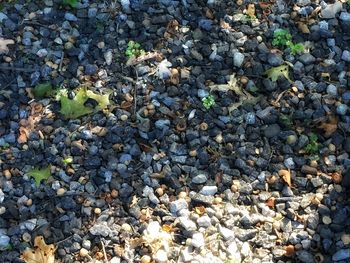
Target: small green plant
{"x": 208, "y": 101}
{"x": 71, "y": 3}
{"x": 134, "y": 50}
{"x": 286, "y": 120}
{"x": 68, "y": 160}
{"x": 4, "y": 147}
{"x": 40, "y": 174}
{"x": 282, "y": 37}
{"x": 313, "y": 146}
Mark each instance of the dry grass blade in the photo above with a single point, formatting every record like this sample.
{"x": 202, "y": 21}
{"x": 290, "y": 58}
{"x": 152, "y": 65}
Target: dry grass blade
{"x": 3, "y": 45}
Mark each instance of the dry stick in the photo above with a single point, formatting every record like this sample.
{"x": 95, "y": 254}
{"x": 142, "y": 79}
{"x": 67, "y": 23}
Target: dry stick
{"x": 104, "y": 252}
{"x": 16, "y": 69}
{"x": 61, "y": 62}
{"x": 135, "y": 92}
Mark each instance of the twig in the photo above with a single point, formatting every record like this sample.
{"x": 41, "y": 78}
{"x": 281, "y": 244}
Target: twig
{"x": 61, "y": 62}
{"x": 134, "y": 61}
{"x": 104, "y": 251}
{"x": 17, "y": 69}
{"x": 135, "y": 92}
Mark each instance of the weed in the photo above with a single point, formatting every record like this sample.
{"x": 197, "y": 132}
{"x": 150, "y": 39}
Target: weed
{"x": 208, "y": 101}
{"x": 134, "y": 50}
{"x": 282, "y": 37}
{"x": 71, "y": 3}
{"x": 286, "y": 120}
{"x": 68, "y": 160}
{"x": 313, "y": 146}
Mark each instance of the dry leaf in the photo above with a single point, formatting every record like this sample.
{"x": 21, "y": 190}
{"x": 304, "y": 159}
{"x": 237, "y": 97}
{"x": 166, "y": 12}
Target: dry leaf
{"x": 329, "y": 127}
{"x": 244, "y": 96}
{"x": 303, "y": 28}
{"x": 23, "y": 135}
{"x": 337, "y": 177}
{"x": 286, "y": 176}
{"x": 270, "y": 202}
{"x": 3, "y": 45}
{"x": 168, "y": 228}
{"x": 251, "y": 10}
{"x": 290, "y": 250}
{"x": 200, "y": 210}
{"x": 41, "y": 253}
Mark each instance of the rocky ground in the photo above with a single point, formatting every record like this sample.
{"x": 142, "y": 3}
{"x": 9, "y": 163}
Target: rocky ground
{"x": 153, "y": 175}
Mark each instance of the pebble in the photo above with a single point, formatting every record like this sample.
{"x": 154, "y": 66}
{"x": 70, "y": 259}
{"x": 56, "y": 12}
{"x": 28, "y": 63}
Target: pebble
{"x": 160, "y": 256}
{"x": 208, "y": 190}
{"x": 199, "y": 179}
{"x": 346, "y": 55}
{"x": 197, "y": 240}
{"x": 341, "y": 254}
{"x": 238, "y": 59}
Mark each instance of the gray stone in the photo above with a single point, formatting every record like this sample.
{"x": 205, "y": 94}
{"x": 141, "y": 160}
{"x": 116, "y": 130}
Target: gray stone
{"x": 178, "y": 205}
{"x": 346, "y": 55}
{"x": 307, "y": 59}
{"x": 187, "y": 224}
{"x": 208, "y": 190}
{"x": 4, "y": 242}
{"x": 100, "y": 229}
{"x": 2, "y": 17}
{"x": 70, "y": 17}
{"x": 341, "y": 255}
{"x": 199, "y": 179}
{"x": 238, "y": 59}
{"x": 305, "y": 256}
{"x": 332, "y": 90}
{"x": 204, "y": 221}
{"x": 90, "y": 69}
{"x": 342, "y": 109}
{"x": 272, "y": 130}
{"x": 275, "y": 60}
{"x": 331, "y": 10}
{"x": 344, "y": 16}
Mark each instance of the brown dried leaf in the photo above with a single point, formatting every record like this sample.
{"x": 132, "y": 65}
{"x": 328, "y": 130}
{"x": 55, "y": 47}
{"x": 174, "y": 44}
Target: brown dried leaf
{"x": 270, "y": 202}
{"x": 286, "y": 176}
{"x": 337, "y": 177}
{"x": 3, "y": 45}
{"x": 23, "y": 135}
{"x": 200, "y": 210}
{"x": 303, "y": 28}
{"x": 290, "y": 250}
{"x": 330, "y": 127}
{"x": 41, "y": 253}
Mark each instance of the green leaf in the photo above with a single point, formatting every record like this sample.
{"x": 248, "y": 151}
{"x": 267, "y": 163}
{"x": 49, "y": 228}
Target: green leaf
{"x": 40, "y": 174}
{"x": 103, "y": 100}
{"x": 75, "y": 108}
{"x": 42, "y": 90}
{"x": 71, "y": 3}
{"x": 276, "y": 72}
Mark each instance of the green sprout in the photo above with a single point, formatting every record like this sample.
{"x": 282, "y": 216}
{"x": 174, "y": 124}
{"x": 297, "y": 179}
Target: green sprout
{"x": 313, "y": 146}
{"x": 282, "y": 37}
{"x": 134, "y": 50}
{"x": 208, "y": 101}
{"x": 71, "y": 3}
{"x": 68, "y": 160}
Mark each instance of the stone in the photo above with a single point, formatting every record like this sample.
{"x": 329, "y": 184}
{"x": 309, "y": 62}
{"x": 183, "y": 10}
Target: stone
{"x": 307, "y": 59}
{"x": 199, "y": 179}
{"x": 208, "y": 190}
{"x": 178, "y": 205}
{"x": 341, "y": 254}
{"x": 238, "y": 59}
{"x": 305, "y": 256}
{"x": 197, "y": 240}
{"x": 272, "y": 131}
{"x": 346, "y": 55}
{"x": 331, "y": 10}
{"x": 70, "y": 17}
{"x": 4, "y": 242}
{"x": 161, "y": 256}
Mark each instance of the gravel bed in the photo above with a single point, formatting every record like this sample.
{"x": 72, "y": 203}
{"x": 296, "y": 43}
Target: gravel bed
{"x": 262, "y": 175}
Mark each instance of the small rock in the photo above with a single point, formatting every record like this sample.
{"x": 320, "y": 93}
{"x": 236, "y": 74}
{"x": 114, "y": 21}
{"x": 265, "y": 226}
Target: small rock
{"x": 161, "y": 256}
{"x": 178, "y": 205}
{"x": 208, "y": 190}
{"x": 341, "y": 255}
{"x": 272, "y": 131}
{"x": 199, "y": 179}
{"x": 346, "y": 55}
{"x": 331, "y": 10}
{"x": 70, "y": 17}
{"x": 238, "y": 59}
{"x": 197, "y": 240}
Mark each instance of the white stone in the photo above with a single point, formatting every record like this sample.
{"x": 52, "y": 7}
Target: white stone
{"x": 209, "y": 190}
{"x": 245, "y": 250}
{"x": 187, "y": 224}
{"x": 161, "y": 256}
{"x": 197, "y": 240}
{"x": 204, "y": 221}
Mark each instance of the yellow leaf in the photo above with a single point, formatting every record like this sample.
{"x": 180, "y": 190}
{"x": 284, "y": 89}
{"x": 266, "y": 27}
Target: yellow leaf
{"x": 251, "y": 10}
{"x": 276, "y": 72}
{"x": 41, "y": 253}
{"x": 286, "y": 176}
